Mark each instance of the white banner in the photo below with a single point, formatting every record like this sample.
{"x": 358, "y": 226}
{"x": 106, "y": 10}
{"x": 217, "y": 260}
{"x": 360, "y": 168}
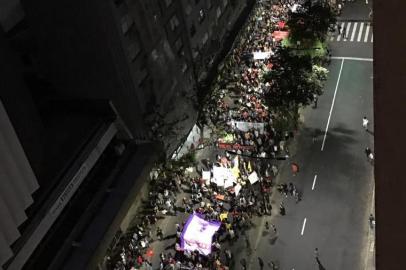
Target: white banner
{"x": 253, "y": 177}
{"x": 223, "y": 177}
{"x": 237, "y": 189}
{"x": 245, "y": 126}
{"x": 262, "y": 55}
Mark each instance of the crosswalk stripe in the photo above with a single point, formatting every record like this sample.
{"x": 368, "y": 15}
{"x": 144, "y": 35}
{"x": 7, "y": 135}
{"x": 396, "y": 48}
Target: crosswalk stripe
{"x": 360, "y": 32}
{"x": 342, "y": 29}
{"x": 347, "y": 31}
{"x": 372, "y": 37}
{"x": 366, "y": 34}
{"x": 353, "y": 31}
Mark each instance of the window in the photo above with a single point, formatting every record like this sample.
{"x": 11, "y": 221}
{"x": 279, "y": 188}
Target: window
{"x": 168, "y": 2}
{"x": 154, "y": 55}
{"x": 174, "y": 22}
{"x": 126, "y": 23}
{"x": 225, "y": 2}
{"x": 144, "y": 77}
{"x": 195, "y": 53}
{"x": 118, "y": 2}
{"x": 174, "y": 83}
{"x": 192, "y": 30}
{"x": 178, "y": 44}
{"x": 205, "y": 38}
{"x": 133, "y": 51}
{"x": 184, "y": 67}
{"x": 209, "y": 4}
{"x": 218, "y": 12}
{"x": 201, "y": 16}
{"x": 188, "y": 9}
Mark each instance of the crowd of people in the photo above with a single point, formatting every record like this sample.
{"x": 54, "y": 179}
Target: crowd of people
{"x": 174, "y": 190}
{"x": 241, "y": 89}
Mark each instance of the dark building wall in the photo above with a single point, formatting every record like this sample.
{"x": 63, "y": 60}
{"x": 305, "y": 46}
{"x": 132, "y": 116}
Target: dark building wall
{"x": 163, "y": 46}
{"x": 208, "y": 23}
{"x": 119, "y": 50}
{"x": 81, "y": 54}
{"x": 19, "y": 104}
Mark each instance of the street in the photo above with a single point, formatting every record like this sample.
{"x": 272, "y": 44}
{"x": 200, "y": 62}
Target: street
{"x": 337, "y": 181}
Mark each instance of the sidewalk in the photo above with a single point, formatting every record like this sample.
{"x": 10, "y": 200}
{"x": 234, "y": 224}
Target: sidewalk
{"x": 370, "y": 245}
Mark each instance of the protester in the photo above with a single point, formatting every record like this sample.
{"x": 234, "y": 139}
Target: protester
{"x": 365, "y": 122}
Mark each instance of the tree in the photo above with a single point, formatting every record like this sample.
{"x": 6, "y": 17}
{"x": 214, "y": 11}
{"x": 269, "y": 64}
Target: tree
{"x": 293, "y": 80}
{"x": 311, "y": 23}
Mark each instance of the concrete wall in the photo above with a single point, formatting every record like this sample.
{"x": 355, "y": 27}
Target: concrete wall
{"x": 19, "y": 105}
{"x": 11, "y": 13}
{"x": 17, "y": 184}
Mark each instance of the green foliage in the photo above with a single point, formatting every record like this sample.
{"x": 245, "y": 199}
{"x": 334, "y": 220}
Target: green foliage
{"x": 295, "y": 80}
{"x": 286, "y": 118}
{"x": 311, "y": 24}
{"x": 315, "y": 50}
{"x": 187, "y": 160}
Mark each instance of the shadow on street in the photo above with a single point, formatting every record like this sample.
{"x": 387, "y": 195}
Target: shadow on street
{"x": 321, "y": 267}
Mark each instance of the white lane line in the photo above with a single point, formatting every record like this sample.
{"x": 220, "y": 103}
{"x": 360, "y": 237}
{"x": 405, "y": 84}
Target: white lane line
{"x": 353, "y": 58}
{"x": 353, "y": 31}
{"x": 370, "y": 232}
{"x": 314, "y": 181}
{"x": 361, "y": 27}
{"x": 373, "y": 201}
{"x": 332, "y": 104}
{"x": 348, "y": 31}
{"x": 366, "y": 33}
{"x": 372, "y": 37}
{"x": 303, "y": 227}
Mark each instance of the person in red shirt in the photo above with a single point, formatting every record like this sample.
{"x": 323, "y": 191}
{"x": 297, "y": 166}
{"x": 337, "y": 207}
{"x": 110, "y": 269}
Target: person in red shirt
{"x": 139, "y": 260}
{"x": 295, "y": 168}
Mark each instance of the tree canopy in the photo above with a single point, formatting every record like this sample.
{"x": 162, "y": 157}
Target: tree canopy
{"x": 312, "y": 22}
{"x": 294, "y": 80}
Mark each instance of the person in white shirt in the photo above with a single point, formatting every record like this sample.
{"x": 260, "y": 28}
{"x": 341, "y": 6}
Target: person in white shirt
{"x": 365, "y": 123}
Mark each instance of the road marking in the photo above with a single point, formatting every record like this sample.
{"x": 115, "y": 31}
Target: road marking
{"x": 353, "y": 31}
{"x": 361, "y": 27}
{"x": 314, "y": 181}
{"x": 332, "y": 104}
{"x": 372, "y": 37}
{"x": 341, "y": 30}
{"x": 304, "y": 224}
{"x": 347, "y": 30}
{"x": 353, "y": 58}
{"x": 373, "y": 200}
{"x": 371, "y": 233}
{"x": 366, "y": 33}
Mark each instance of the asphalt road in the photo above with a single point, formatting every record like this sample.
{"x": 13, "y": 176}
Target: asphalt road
{"x": 337, "y": 202}
{"x": 336, "y": 205}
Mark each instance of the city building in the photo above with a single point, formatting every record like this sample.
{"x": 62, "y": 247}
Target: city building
{"x": 88, "y": 89}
